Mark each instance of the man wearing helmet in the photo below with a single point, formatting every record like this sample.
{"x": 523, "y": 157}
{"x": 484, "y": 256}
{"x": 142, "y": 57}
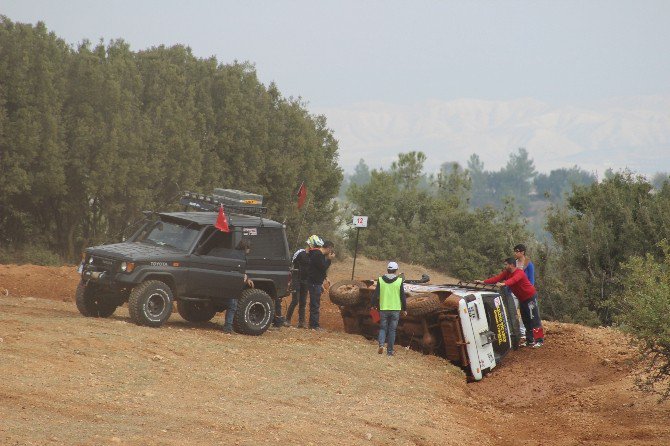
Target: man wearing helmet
{"x": 320, "y": 256}
{"x": 300, "y": 285}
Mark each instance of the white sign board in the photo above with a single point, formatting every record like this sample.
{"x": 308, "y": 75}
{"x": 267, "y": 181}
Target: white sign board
{"x": 360, "y": 221}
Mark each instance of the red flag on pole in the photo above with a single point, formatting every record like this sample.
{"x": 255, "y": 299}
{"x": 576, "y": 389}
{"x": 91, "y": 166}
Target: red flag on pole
{"x": 222, "y": 221}
{"x": 302, "y": 194}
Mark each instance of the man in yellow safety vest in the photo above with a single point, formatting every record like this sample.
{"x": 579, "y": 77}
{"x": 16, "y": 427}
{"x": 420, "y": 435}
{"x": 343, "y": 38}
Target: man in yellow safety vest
{"x": 389, "y": 297}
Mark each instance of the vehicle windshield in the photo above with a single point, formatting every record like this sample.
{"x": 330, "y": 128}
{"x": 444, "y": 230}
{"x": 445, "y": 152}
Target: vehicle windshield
{"x": 174, "y": 235}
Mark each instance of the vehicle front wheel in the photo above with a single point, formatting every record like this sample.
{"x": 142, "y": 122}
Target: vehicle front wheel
{"x": 193, "y": 311}
{"x": 92, "y": 303}
{"x": 150, "y": 303}
{"x": 255, "y": 312}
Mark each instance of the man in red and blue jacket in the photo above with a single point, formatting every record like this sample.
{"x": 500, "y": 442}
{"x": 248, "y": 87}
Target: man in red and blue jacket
{"x": 518, "y": 282}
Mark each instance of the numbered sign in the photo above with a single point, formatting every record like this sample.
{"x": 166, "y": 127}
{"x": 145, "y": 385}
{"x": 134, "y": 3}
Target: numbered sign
{"x": 360, "y": 221}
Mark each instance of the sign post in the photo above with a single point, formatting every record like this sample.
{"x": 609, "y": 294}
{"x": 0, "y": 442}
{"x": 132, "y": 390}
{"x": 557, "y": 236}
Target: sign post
{"x": 360, "y": 221}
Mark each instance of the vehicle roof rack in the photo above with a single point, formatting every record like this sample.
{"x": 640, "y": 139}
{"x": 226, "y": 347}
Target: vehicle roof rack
{"x": 205, "y": 202}
{"x": 473, "y": 285}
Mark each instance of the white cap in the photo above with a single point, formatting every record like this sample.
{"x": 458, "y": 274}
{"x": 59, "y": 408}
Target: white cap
{"x": 392, "y": 265}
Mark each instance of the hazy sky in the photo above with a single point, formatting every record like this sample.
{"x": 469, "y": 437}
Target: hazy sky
{"x": 335, "y": 54}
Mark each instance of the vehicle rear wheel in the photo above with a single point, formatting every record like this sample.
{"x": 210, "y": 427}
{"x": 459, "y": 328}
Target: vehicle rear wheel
{"x": 193, "y": 311}
{"x": 150, "y": 303}
{"x": 255, "y": 312}
{"x": 91, "y": 303}
{"x": 420, "y": 305}
{"x": 346, "y": 292}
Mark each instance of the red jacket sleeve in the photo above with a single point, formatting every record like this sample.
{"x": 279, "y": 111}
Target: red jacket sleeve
{"x": 495, "y": 279}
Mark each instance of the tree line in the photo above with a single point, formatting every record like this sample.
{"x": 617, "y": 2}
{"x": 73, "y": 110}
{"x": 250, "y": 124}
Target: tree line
{"x": 90, "y": 136}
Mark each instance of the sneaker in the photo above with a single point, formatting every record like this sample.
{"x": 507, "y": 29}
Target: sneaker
{"x": 538, "y": 344}
{"x": 529, "y": 344}
{"x": 317, "y": 328}
{"x": 390, "y": 353}
{"x": 227, "y": 330}
{"x": 287, "y": 324}
{"x": 380, "y": 350}
{"x": 302, "y": 325}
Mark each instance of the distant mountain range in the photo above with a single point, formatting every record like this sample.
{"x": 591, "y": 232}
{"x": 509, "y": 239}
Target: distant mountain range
{"x": 631, "y": 132}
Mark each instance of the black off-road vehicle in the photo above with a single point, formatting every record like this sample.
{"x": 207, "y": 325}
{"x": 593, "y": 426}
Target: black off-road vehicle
{"x": 182, "y": 256}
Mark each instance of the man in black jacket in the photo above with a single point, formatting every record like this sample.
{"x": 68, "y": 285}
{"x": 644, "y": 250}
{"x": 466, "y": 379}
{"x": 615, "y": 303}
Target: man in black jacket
{"x": 319, "y": 262}
{"x": 300, "y": 286}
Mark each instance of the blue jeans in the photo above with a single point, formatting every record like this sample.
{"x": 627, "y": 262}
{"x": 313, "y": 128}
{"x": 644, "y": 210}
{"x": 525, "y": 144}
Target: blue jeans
{"x": 315, "y": 290}
{"x": 230, "y": 313}
{"x": 387, "y": 327}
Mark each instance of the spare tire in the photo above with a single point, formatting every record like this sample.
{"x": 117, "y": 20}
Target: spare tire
{"x": 422, "y": 304}
{"x": 346, "y": 292}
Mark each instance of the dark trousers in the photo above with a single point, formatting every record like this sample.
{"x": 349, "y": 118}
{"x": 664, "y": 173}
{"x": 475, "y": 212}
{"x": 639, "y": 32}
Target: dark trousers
{"x": 278, "y": 321}
{"x": 298, "y": 299}
{"x": 315, "y": 290}
{"x": 530, "y": 315}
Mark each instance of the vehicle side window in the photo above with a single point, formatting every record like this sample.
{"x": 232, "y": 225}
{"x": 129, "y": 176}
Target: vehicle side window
{"x": 217, "y": 243}
{"x": 267, "y": 244}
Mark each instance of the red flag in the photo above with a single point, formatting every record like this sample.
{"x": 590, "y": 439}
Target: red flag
{"x": 222, "y": 221}
{"x": 302, "y": 194}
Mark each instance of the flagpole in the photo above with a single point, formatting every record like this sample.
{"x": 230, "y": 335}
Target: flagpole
{"x": 302, "y": 220}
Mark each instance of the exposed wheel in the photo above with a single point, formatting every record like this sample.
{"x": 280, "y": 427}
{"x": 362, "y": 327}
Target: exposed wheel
{"x": 91, "y": 303}
{"x": 195, "y": 311}
{"x": 255, "y": 312}
{"x": 422, "y": 304}
{"x": 150, "y": 303}
{"x": 346, "y": 292}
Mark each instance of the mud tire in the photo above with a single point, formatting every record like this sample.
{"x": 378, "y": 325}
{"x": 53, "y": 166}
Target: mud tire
{"x": 255, "y": 312}
{"x": 346, "y": 293}
{"x": 422, "y": 304}
{"x": 196, "y": 312}
{"x": 90, "y": 303}
{"x": 150, "y": 303}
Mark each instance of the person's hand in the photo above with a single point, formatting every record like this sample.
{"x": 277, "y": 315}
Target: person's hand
{"x": 403, "y": 313}
{"x": 500, "y": 284}
{"x": 326, "y": 284}
{"x": 250, "y": 283}
{"x": 331, "y": 255}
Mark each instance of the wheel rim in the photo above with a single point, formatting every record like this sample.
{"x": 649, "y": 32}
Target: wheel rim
{"x": 256, "y": 313}
{"x": 156, "y": 304}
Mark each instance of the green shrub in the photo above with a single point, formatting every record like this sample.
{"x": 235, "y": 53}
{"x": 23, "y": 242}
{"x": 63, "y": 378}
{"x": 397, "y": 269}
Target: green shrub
{"x": 32, "y": 254}
{"x": 644, "y": 312}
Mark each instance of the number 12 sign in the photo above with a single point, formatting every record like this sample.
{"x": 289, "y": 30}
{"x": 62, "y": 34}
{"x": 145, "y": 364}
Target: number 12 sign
{"x": 360, "y": 221}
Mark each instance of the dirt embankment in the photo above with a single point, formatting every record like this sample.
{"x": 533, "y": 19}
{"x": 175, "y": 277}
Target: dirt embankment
{"x": 67, "y": 379}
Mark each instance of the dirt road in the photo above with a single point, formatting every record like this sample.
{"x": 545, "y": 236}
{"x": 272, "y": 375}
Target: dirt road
{"x": 67, "y": 379}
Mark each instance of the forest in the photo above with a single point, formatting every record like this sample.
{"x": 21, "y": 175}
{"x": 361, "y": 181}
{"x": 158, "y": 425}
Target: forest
{"x": 92, "y": 135}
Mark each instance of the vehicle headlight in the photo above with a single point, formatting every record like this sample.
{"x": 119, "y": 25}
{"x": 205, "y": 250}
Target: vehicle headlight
{"x": 127, "y": 267}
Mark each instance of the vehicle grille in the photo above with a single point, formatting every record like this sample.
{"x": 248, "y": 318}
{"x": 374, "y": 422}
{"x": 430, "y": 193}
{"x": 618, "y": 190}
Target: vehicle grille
{"x": 103, "y": 264}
